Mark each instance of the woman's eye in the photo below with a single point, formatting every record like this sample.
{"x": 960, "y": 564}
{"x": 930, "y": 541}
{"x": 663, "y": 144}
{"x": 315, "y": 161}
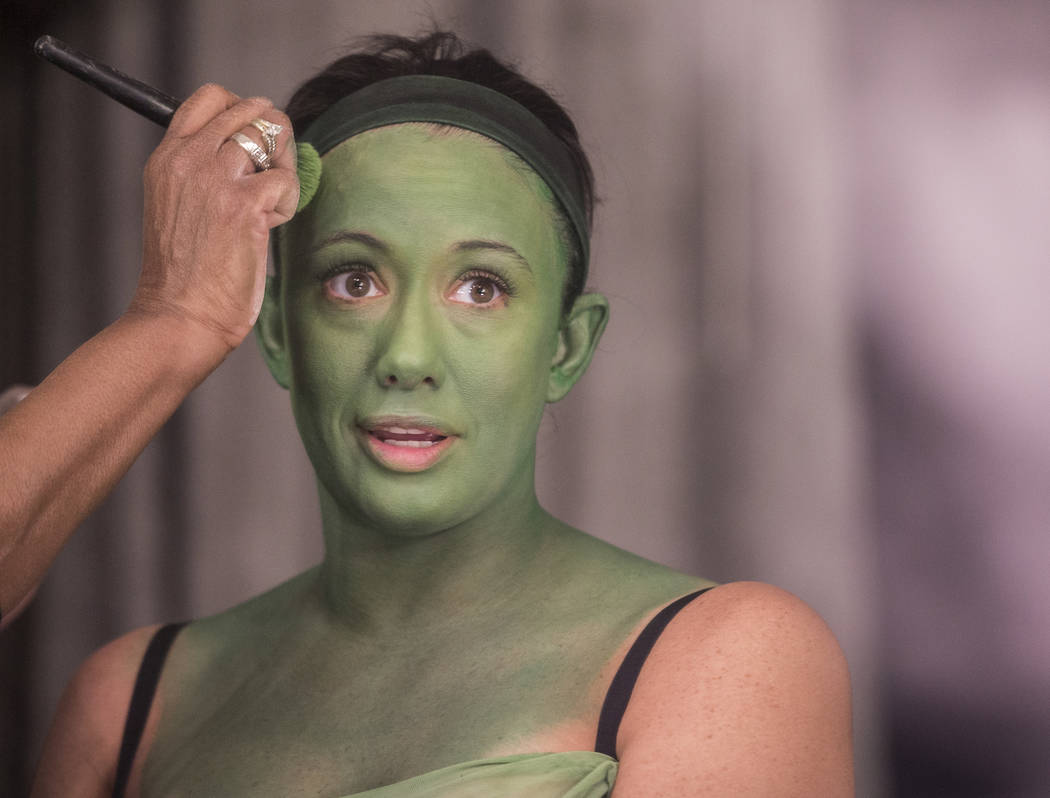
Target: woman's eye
{"x": 478, "y": 291}
{"x": 353, "y": 285}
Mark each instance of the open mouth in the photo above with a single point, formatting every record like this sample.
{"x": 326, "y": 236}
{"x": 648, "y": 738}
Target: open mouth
{"x": 407, "y": 436}
{"x": 406, "y": 446}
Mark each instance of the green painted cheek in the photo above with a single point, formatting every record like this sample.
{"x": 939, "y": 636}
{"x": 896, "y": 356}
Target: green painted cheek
{"x": 320, "y": 376}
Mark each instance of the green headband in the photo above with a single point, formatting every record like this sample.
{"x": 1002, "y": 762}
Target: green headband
{"x": 459, "y": 103}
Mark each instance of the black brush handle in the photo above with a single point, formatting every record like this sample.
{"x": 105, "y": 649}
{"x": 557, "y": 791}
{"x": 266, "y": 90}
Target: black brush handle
{"x": 139, "y": 97}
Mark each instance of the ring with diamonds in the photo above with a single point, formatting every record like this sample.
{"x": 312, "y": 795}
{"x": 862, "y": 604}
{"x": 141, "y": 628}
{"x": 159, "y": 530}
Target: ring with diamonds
{"x": 270, "y": 131}
{"x": 255, "y": 152}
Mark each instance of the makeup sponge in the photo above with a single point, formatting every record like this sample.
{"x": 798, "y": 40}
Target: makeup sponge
{"x": 308, "y": 165}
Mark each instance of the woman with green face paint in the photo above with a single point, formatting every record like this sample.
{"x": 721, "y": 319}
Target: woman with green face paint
{"x": 456, "y": 640}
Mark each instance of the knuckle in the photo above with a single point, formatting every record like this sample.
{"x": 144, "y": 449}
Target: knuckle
{"x": 213, "y": 90}
{"x": 205, "y": 101}
{"x": 258, "y": 104}
{"x": 158, "y": 163}
{"x": 281, "y": 118}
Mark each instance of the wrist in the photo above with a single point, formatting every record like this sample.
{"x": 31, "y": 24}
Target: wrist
{"x": 188, "y": 347}
{"x": 226, "y": 317}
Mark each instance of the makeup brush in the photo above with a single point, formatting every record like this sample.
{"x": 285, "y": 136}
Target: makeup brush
{"x": 154, "y": 104}
{"x": 143, "y": 99}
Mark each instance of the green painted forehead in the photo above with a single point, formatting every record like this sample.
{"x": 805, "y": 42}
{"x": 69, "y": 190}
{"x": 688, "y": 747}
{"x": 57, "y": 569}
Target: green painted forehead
{"x": 432, "y": 98}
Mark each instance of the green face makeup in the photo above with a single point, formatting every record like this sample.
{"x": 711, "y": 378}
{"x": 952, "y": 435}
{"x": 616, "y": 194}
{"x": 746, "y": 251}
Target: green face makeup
{"x": 421, "y": 295}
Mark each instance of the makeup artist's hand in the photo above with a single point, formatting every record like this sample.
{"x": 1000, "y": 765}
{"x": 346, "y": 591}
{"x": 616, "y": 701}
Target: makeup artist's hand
{"x": 207, "y": 220}
{"x": 208, "y": 213}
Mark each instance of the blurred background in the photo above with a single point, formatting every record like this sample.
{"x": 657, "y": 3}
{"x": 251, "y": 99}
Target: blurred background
{"x": 824, "y": 232}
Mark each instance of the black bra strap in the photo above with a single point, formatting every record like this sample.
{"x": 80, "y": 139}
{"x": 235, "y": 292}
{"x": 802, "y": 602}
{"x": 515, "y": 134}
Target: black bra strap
{"x": 141, "y": 700}
{"x": 622, "y": 685}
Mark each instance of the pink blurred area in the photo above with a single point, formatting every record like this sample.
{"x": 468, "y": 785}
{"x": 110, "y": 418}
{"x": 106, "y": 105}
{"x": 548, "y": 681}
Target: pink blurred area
{"x": 823, "y": 231}
{"x": 950, "y": 123}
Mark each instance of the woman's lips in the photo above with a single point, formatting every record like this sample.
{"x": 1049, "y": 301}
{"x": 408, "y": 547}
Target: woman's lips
{"x": 405, "y": 446}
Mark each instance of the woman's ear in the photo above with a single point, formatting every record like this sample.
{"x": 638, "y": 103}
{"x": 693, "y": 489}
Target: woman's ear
{"x": 577, "y": 340}
{"x": 269, "y": 332}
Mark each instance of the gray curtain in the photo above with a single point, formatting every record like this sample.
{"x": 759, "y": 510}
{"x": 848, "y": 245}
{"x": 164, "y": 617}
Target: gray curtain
{"x": 822, "y": 231}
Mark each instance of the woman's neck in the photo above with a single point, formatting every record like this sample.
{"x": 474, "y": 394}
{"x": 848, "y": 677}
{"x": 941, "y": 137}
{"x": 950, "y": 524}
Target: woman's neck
{"x": 373, "y": 580}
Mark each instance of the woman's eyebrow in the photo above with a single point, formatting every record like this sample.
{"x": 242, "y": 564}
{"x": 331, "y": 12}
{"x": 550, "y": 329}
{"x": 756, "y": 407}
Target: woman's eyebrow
{"x": 344, "y": 236}
{"x": 474, "y": 245}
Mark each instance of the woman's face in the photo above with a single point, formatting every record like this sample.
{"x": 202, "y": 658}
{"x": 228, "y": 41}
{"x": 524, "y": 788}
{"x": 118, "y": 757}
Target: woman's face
{"x": 422, "y": 295}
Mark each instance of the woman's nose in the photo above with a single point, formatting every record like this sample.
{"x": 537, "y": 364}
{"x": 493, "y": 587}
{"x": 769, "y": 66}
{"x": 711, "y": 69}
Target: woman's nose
{"x": 411, "y": 351}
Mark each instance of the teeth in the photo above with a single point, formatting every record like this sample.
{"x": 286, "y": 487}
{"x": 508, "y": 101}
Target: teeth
{"x": 413, "y": 444}
{"x": 405, "y": 430}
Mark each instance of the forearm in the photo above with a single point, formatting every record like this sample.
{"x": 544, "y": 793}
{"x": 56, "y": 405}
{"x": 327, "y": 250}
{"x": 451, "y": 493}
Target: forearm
{"x": 207, "y": 218}
{"x": 65, "y": 446}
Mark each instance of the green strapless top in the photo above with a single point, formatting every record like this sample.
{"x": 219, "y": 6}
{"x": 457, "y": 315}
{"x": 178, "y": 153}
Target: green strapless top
{"x": 566, "y": 774}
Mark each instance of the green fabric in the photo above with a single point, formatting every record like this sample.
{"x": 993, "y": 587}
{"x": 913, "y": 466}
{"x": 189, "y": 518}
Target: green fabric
{"x": 566, "y": 774}
{"x": 460, "y": 103}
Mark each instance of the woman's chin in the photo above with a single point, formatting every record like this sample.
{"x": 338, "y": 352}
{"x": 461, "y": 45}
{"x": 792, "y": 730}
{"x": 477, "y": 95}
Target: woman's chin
{"x": 413, "y": 521}
{"x": 404, "y": 504}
